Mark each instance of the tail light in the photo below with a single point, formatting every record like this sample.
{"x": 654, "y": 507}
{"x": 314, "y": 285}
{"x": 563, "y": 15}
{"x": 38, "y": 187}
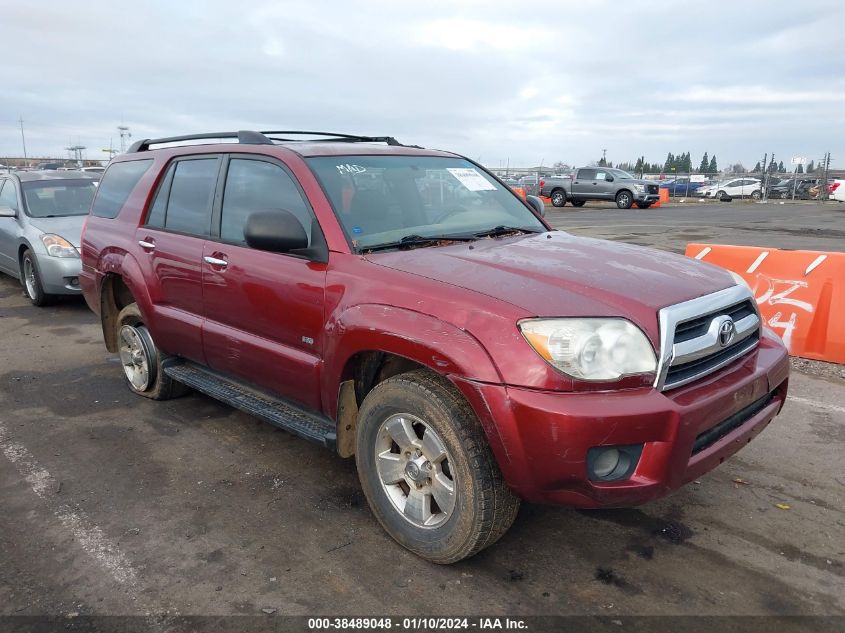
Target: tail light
{"x": 542, "y": 183}
{"x": 834, "y": 186}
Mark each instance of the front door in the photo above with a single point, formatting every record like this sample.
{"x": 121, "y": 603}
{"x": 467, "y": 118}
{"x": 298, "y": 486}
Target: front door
{"x": 171, "y": 244}
{"x": 9, "y": 229}
{"x": 585, "y": 183}
{"x": 263, "y": 311}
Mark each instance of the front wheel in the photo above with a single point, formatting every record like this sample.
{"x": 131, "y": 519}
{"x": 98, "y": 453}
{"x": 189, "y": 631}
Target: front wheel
{"x": 558, "y": 198}
{"x": 624, "y": 199}
{"x": 31, "y": 279}
{"x": 721, "y": 195}
{"x": 427, "y": 471}
{"x": 141, "y": 360}
{"x": 643, "y": 205}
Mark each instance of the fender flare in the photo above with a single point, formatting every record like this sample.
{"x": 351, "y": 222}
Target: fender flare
{"x": 122, "y": 264}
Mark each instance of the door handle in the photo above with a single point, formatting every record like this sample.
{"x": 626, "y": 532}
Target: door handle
{"x": 146, "y": 244}
{"x": 214, "y": 261}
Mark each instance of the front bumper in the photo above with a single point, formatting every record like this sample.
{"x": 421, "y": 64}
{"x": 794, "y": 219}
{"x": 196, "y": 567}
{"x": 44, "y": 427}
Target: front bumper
{"x": 59, "y": 275}
{"x": 541, "y": 439}
{"x": 646, "y": 197}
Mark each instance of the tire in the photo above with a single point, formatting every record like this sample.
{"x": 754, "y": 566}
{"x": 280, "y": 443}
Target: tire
{"x": 558, "y": 198}
{"x": 756, "y": 195}
{"x": 720, "y": 195}
{"x": 624, "y": 199}
{"x": 141, "y": 360}
{"x": 431, "y": 421}
{"x": 643, "y": 205}
{"x": 31, "y": 280}
{"x": 579, "y": 203}
{"x": 784, "y": 195}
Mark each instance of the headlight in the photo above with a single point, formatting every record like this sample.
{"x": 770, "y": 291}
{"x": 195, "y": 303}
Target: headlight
{"x": 639, "y": 188}
{"x": 57, "y": 246}
{"x": 591, "y": 348}
{"x": 739, "y": 279}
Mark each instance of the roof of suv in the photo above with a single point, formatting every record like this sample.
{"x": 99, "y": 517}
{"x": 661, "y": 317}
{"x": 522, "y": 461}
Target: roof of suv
{"x": 326, "y": 143}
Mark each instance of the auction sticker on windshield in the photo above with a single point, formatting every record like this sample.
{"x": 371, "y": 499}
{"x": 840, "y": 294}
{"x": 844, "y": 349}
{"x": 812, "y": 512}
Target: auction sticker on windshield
{"x": 471, "y": 179}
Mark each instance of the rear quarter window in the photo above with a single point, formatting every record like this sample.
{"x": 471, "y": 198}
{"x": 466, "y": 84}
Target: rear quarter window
{"x": 117, "y": 183}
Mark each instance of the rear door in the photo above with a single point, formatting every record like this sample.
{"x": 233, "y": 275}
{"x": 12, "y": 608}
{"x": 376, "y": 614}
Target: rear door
{"x": 172, "y": 241}
{"x": 585, "y": 183}
{"x": 263, "y": 311}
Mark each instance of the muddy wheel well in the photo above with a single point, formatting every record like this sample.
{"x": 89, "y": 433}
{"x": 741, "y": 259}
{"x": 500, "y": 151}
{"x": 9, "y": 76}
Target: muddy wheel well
{"x": 115, "y": 296}
{"x": 363, "y": 372}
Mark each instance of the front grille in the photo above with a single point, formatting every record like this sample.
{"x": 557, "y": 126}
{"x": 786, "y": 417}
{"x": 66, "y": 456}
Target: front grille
{"x": 651, "y": 188}
{"x": 691, "y": 335}
{"x": 694, "y": 328}
{"x": 680, "y": 374}
{"x": 714, "y": 434}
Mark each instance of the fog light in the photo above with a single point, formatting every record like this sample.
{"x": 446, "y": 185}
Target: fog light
{"x": 606, "y": 463}
{"x": 612, "y": 463}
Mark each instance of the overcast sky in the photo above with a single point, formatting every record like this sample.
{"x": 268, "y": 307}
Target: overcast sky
{"x": 519, "y": 81}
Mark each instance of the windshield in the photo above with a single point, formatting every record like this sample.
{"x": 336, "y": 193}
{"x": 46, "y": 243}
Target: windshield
{"x": 621, "y": 174}
{"x": 57, "y": 198}
{"x": 381, "y": 199}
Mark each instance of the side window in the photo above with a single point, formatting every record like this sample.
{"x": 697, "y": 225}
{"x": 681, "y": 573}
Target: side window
{"x": 191, "y": 194}
{"x": 255, "y": 185}
{"x": 156, "y": 215}
{"x": 601, "y": 175}
{"x": 117, "y": 183}
{"x": 587, "y": 174}
{"x": 8, "y": 195}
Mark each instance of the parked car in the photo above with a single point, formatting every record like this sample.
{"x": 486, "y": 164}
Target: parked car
{"x": 600, "y": 183}
{"x": 836, "y": 189}
{"x": 783, "y": 188}
{"x": 733, "y": 188}
{"x": 465, "y": 353}
{"x": 48, "y": 166}
{"x": 681, "y": 186}
{"x": 41, "y": 217}
{"x": 93, "y": 170}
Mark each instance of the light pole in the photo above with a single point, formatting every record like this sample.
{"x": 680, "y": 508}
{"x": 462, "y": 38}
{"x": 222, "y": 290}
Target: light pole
{"x": 23, "y": 141}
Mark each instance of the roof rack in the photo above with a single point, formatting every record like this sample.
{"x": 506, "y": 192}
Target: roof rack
{"x": 250, "y": 137}
{"x": 244, "y": 136}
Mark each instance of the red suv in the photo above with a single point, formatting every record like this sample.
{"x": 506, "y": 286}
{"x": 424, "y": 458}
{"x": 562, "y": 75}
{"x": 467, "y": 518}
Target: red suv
{"x": 402, "y": 305}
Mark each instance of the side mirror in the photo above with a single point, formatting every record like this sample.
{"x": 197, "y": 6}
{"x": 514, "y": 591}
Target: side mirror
{"x": 7, "y": 212}
{"x": 275, "y": 230}
{"x": 537, "y": 204}
{"x": 609, "y": 178}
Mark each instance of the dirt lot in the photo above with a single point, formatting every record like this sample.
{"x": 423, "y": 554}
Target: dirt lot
{"x": 112, "y": 504}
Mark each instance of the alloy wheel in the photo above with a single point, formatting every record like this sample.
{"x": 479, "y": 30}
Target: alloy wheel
{"x": 414, "y": 469}
{"x": 135, "y": 356}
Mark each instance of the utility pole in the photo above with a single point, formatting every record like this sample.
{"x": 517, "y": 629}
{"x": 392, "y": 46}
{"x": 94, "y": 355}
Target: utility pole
{"x": 23, "y": 141}
{"x": 604, "y": 157}
{"x": 823, "y": 187}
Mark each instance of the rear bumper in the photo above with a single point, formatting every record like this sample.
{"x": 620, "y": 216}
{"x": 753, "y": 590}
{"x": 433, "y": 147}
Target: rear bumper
{"x": 59, "y": 275}
{"x": 541, "y": 439}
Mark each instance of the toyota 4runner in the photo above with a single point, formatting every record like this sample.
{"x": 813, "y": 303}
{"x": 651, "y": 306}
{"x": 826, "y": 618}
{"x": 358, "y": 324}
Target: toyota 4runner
{"x": 402, "y": 305}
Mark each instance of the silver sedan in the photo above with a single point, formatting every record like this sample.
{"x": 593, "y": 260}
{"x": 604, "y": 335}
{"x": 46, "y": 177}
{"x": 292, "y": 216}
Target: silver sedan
{"x": 41, "y": 218}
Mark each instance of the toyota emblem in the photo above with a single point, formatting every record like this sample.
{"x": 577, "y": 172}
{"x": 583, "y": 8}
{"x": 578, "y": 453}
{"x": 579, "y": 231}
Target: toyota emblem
{"x": 727, "y": 331}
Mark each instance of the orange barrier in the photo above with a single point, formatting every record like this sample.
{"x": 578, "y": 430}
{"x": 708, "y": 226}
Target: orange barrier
{"x": 520, "y": 191}
{"x": 799, "y": 293}
{"x": 547, "y": 201}
{"x": 664, "y": 194}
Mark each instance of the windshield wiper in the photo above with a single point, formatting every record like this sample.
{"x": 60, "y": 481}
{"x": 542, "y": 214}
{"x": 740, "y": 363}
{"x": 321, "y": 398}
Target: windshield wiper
{"x": 419, "y": 240}
{"x": 504, "y": 230}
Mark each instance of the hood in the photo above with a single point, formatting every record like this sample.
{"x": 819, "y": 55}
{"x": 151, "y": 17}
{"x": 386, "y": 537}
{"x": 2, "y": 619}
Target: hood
{"x": 557, "y": 274}
{"x": 69, "y": 227}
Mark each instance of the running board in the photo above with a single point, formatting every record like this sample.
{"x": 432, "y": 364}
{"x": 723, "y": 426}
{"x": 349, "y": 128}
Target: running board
{"x": 276, "y": 411}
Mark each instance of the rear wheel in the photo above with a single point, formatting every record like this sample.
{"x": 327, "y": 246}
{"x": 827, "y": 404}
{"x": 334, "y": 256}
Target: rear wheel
{"x": 141, "y": 360}
{"x": 756, "y": 195}
{"x": 578, "y": 203}
{"x": 624, "y": 199}
{"x": 643, "y": 205}
{"x": 31, "y": 279}
{"x": 559, "y": 198}
{"x": 427, "y": 471}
